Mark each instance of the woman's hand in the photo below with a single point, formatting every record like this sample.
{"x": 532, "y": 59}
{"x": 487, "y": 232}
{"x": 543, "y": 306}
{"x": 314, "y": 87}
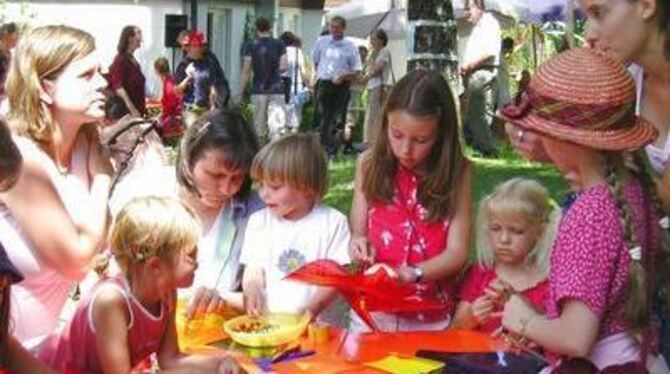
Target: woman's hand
{"x": 361, "y": 252}
{"x": 517, "y": 314}
{"x": 228, "y": 365}
{"x": 205, "y": 300}
{"x": 527, "y": 143}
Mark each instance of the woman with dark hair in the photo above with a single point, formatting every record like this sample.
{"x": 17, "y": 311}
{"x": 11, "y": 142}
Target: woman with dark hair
{"x": 213, "y": 173}
{"x": 125, "y": 74}
{"x": 379, "y": 80}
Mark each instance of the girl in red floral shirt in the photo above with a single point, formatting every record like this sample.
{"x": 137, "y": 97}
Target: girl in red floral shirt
{"x": 411, "y": 206}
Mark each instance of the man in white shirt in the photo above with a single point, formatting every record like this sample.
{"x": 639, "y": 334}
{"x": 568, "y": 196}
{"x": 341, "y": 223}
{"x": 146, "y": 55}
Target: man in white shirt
{"x": 337, "y": 63}
{"x": 479, "y": 68}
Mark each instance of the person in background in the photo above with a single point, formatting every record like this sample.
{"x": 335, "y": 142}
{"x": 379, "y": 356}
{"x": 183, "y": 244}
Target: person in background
{"x": 170, "y": 121}
{"x": 379, "y": 78}
{"x": 125, "y": 74}
{"x": 337, "y": 63}
{"x": 9, "y": 36}
{"x": 355, "y": 109}
{"x": 265, "y": 59}
{"x": 199, "y": 79}
{"x": 296, "y": 78}
{"x": 479, "y": 64}
{"x": 503, "y": 96}
{"x": 54, "y": 221}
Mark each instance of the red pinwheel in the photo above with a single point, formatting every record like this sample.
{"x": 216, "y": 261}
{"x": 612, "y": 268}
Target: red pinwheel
{"x": 376, "y": 292}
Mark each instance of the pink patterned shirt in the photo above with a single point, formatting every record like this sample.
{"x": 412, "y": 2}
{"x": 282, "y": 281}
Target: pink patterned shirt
{"x": 590, "y": 260}
{"x": 399, "y": 233}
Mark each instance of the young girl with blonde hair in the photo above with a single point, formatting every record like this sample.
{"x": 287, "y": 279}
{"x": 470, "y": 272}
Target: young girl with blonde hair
{"x": 128, "y": 318}
{"x": 295, "y": 227}
{"x": 516, "y": 225}
{"x": 602, "y": 261}
{"x": 411, "y": 205}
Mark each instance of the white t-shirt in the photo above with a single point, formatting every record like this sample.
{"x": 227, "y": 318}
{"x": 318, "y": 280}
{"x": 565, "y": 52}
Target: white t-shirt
{"x": 295, "y": 61}
{"x": 281, "y": 246}
{"x": 483, "y": 40}
{"x": 385, "y": 77}
{"x": 658, "y": 157}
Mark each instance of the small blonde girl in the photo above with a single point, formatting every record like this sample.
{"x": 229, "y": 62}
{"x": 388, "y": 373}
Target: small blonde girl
{"x": 295, "y": 227}
{"x": 516, "y": 225}
{"x": 128, "y": 318}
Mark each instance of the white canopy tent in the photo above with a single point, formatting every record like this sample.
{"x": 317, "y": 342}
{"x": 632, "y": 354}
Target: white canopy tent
{"x": 363, "y": 16}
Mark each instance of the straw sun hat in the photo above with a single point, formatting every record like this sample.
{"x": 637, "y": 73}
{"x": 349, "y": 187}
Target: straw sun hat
{"x": 585, "y": 97}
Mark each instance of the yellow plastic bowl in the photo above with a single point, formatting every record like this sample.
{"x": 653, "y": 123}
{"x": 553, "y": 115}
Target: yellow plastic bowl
{"x": 275, "y": 329}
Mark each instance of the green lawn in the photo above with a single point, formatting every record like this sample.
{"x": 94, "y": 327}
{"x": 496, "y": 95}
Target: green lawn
{"x": 488, "y": 174}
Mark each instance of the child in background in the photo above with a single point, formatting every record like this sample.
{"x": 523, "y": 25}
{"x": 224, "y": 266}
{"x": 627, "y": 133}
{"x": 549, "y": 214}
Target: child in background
{"x": 128, "y": 318}
{"x": 516, "y": 226}
{"x": 411, "y": 207}
{"x": 171, "y": 122}
{"x": 295, "y": 228}
{"x": 601, "y": 272}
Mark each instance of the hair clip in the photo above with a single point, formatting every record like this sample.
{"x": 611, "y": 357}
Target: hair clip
{"x": 664, "y": 222}
{"x": 635, "y": 253}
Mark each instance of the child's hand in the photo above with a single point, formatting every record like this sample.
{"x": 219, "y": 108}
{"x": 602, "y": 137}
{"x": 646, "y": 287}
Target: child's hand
{"x": 228, "y": 365}
{"x": 205, "y": 300}
{"x": 381, "y": 267}
{"x": 361, "y": 252}
{"x": 253, "y": 290}
{"x": 499, "y": 291}
{"x": 482, "y": 308}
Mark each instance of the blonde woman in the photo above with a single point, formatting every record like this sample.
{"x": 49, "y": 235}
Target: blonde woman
{"x": 54, "y": 220}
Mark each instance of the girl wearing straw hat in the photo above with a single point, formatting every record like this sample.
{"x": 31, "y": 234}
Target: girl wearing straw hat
{"x": 581, "y": 105}
{"x": 636, "y": 32}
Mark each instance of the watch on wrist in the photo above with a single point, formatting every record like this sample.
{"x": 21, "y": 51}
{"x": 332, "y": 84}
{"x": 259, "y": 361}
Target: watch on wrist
{"x": 418, "y": 274}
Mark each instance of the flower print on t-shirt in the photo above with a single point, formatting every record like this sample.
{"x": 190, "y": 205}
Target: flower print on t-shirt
{"x": 290, "y": 260}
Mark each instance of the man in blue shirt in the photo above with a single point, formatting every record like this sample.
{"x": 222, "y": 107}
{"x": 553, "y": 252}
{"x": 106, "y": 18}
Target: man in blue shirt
{"x": 337, "y": 63}
{"x": 265, "y": 58}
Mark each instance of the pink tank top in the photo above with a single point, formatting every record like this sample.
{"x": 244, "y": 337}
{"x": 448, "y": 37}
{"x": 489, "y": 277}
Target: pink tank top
{"x": 401, "y": 235}
{"x": 75, "y": 350}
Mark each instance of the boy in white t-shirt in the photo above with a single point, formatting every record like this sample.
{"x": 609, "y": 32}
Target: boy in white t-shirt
{"x": 293, "y": 229}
